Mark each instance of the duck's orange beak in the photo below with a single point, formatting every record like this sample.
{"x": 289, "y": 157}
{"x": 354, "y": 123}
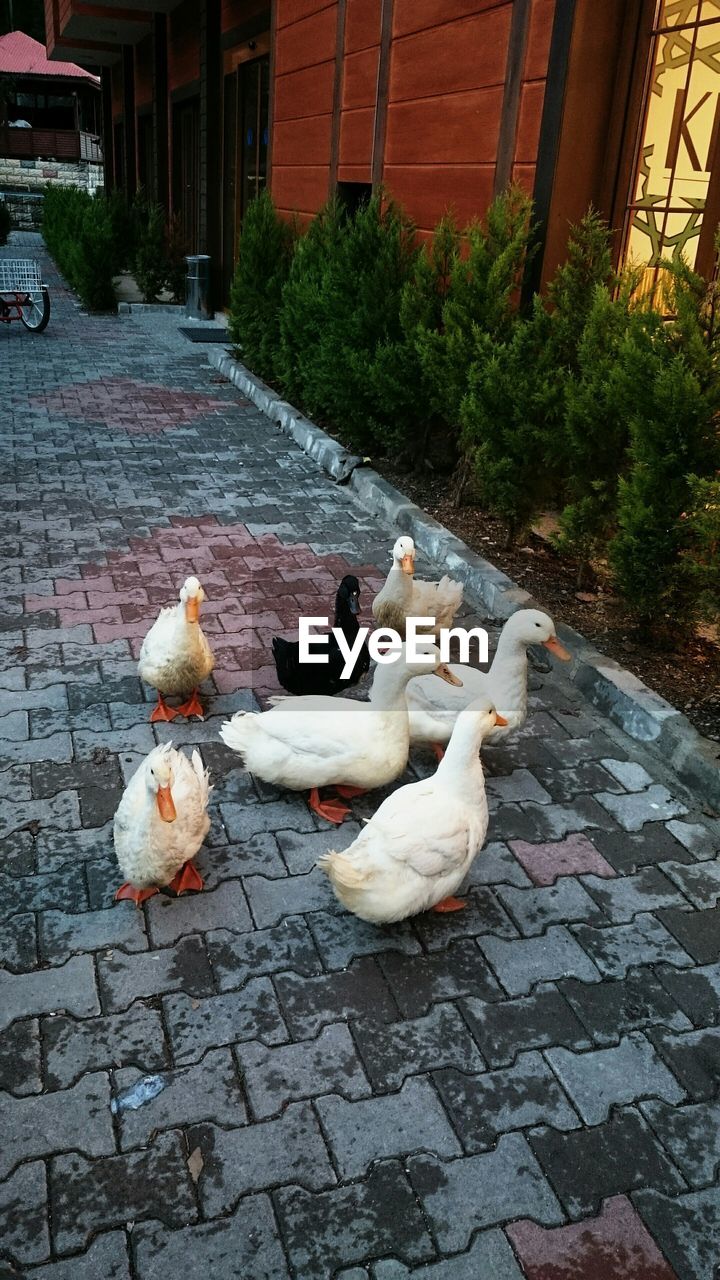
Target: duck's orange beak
{"x": 408, "y": 563}
{"x": 192, "y": 608}
{"x": 446, "y": 674}
{"x": 500, "y": 720}
{"x": 166, "y": 804}
{"x": 554, "y": 645}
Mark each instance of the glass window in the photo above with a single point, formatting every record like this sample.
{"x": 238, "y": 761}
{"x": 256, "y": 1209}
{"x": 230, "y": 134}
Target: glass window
{"x": 679, "y": 134}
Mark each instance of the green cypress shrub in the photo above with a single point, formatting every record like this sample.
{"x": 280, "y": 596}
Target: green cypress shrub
{"x": 264, "y": 255}
{"x": 301, "y": 313}
{"x": 93, "y": 262}
{"x": 700, "y": 556}
{"x": 150, "y": 264}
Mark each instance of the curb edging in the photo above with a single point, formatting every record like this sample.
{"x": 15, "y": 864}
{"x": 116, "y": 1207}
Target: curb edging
{"x": 640, "y": 712}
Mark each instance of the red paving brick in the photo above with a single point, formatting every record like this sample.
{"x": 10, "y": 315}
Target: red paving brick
{"x": 135, "y": 407}
{"x": 613, "y": 1246}
{"x": 573, "y": 856}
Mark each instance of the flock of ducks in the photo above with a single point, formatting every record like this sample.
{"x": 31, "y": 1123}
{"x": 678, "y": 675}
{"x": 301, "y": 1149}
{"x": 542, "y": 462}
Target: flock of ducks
{"x": 415, "y": 851}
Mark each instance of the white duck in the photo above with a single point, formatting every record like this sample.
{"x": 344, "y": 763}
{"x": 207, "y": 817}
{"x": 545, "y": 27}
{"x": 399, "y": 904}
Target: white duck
{"x": 160, "y": 823}
{"x": 416, "y": 850}
{"x": 404, "y": 596}
{"x": 316, "y": 741}
{"x": 175, "y": 657}
{"x": 433, "y": 712}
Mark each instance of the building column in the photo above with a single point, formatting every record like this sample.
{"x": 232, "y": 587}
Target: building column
{"x": 210, "y": 195}
{"x": 108, "y": 140}
{"x": 161, "y": 158}
{"x": 128, "y": 91}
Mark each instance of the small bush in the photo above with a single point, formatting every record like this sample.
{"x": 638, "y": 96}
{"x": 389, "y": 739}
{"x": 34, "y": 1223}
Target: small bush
{"x": 175, "y": 251}
{"x": 263, "y": 264}
{"x": 700, "y": 556}
{"x": 79, "y": 234}
{"x": 302, "y": 306}
{"x": 150, "y": 264}
{"x": 4, "y": 222}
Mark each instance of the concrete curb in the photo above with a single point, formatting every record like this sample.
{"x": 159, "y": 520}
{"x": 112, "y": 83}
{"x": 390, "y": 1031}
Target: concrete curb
{"x": 621, "y": 696}
{"x": 139, "y": 308}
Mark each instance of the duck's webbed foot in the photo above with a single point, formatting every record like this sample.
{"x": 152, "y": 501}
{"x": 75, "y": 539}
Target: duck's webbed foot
{"x": 193, "y": 706}
{"x": 187, "y": 878}
{"x": 331, "y": 810}
{"x": 133, "y": 894}
{"x": 162, "y": 711}
{"x": 449, "y": 904}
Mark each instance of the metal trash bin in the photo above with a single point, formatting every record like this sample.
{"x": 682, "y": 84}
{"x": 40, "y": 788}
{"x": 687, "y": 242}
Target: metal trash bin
{"x": 197, "y": 298}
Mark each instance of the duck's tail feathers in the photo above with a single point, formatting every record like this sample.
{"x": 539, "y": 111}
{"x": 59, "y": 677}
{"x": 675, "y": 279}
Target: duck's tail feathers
{"x": 236, "y": 732}
{"x": 341, "y": 870}
{"x": 203, "y": 777}
{"x": 450, "y": 594}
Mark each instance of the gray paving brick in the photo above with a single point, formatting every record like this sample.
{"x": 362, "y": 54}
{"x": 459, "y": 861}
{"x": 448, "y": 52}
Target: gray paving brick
{"x": 495, "y": 864}
{"x": 62, "y": 934}
{"x": 609, "y": 1008}
{"x": 87, "y": 1195}
{"x": 70, "y": 987}
{"x": 20, "y": 1058}
{"x": 481, "y": 915}
{"x": 502, "y": 1030}
{"x": 325, "y": 1231}
{"x": 694, "y": 1057}
{"x": 266, "y": 1154}
{"x": 134, "y": 1037}
{"x": 692, "y": 1136}
{"x": 696, "y": 991}
{"x": 301, "y": 849}
{"x": 686, "y": 1227}
{"x": 222, "y": 908}
{"x": 519, "y": 965}
{"x": 616, "y": 949}
{"x": 329, "y": 1064}
{"x": 257, "y": 856}
{"x": 628, "y": 851}
{"x": 627, "y": 896}
{"x": 125, "y": 978}
{"x": 482, "y": 1107}
{"x": 378, "y": 1128}
{"x": 559, "y": 903}
{"x": 18, "y": 943}
{"x": 632, "y": 776}
{"x": 77, "y": 1118}
{"x": 633, "y": 811}
{"x": 245, "y": 1245}
{"x": 244, "y": 821}
{"x": 195, "y": 1025}
{"x": 699, "y": 840}
{"x": 603, "y": 1078}
{"x": 23, "y": 1213}
{"x": 489, "y": 1256}
{"x": 234, "y": 959}
{"x": 56, "y": 848}
{"x": 310, "y": 1003}
{"x": 60, "y": 810}
{"x": 272, "y": 900}
{"x": 106, "y": 1259}
{"x": 210, "y": 1090}
{"x": 458, "y": 971}
{"x": 696, "y": 931}
{"x": 393, "y": 1052}
{"x": 341, "y": 937}
{"x": 458, "y": 1196}
{"x": 56, "y": 746}
{"x": 39, "y": 892}
{"x": 699, "y": 883}
{"x": 516, "y": 787}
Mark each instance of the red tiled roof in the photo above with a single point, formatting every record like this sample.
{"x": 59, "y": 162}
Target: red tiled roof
{"x": 20, "y": 55}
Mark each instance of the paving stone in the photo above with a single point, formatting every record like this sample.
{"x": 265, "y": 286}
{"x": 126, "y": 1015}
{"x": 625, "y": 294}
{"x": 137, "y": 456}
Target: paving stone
{"x": 615, "y": 1245}
{"x": 586, "y": 1165}
{"x": 482, "y": 1107}
{"x": 632, "y": 776}
{"x": 41, "y": 892}
{"x": 77, "y": 1118}
{"x": 565, "y": 783}
{"x": 458, "y": 1196}
{"x": 86, "y": 1195}
{"x": 208, "y": 1091}
{"x": 687, "y": 1229}
{"x": 534, "y": 909}
{"x": 172, "y": 918}
{"x": 245, "y": 1245}
{"x": 378, "y": 1128}
{"x": 625, "y": 897}
{"x": 20, "y": 1058}
{"x": 56, "y": 849}
{"x": 71, "y": 1048}
{"x": 699, "y": 840}
{"x": 62, "y": 934}
{"x": 18, "y": 943}
{"x": 519, "y": 965}
{"x": 196, "y": 1024}
{"x": 503, "y": 1030}
{"x": 482, "y": 915}
{"x": 259, "y": 855}
{"x": 698, "y": 932}
{"x": 329, "y": 1064}
{"x": 607, "y": 1009}
{"x": 696, "y": 991}
{"x": 70, "y": 987}
{"x": 392, "y": 1052}
{"x": 106, "y": 1259}
{"x": 334, "y": 1228}
{"x": 692, "y": 1136}
{"x": 234, "y": 959}
{"x": 604, "y": 1078}
{"x": 49, "y": 778}
{"x": 496, "y": 865}
{"x": 700, "y": 883}
{"x": 301, "y": 850}
{"x": 693, "y": 1056}
{"x": 574, "y": 855}
{"x": 125, "y": 978}
{"x": 23, "y": 1213}
{"x": 516, "y": 787}
{"x": 272, "y": 900}
{"x": 628, "y": 851}
{"x": 633, "y": 811}
{"x": 620, "y": 947}
{"x": 458, "y": 971}
{"x": 262, "y": 1155}
{"x": 489, "y": 1256}
{"x": 243, "y": 821}
{"x": 341, "y": 937}
{"x": 310, "y": 1003}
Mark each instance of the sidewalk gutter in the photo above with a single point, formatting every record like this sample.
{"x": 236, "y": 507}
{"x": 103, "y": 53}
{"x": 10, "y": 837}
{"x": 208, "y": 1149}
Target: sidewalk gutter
{"x": 615, "y": 692}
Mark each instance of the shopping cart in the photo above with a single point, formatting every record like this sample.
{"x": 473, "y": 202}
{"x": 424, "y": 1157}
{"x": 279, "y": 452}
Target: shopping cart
{"x": 23, "y": 296}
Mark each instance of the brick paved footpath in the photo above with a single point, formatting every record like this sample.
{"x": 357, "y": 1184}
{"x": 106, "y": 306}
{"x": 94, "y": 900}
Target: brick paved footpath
{"x": 527, "y": 1088}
